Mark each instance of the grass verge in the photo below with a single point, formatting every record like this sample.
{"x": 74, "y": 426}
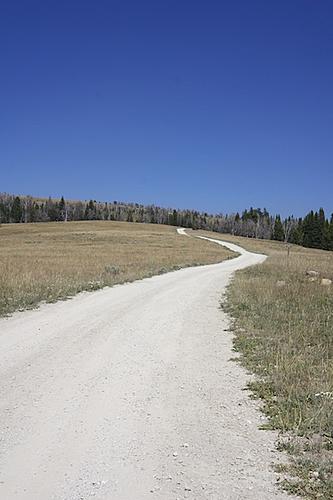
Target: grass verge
{"x": 52, "y": 261}
{"x": 283, "y": 322}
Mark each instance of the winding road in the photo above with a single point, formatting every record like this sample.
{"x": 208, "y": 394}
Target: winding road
{"x": 128, "y": 393}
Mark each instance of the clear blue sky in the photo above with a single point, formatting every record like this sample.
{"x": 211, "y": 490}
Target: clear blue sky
{"x": 214, "y": 105}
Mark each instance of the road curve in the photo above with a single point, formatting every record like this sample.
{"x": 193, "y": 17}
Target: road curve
{"x": 128, "y": 393}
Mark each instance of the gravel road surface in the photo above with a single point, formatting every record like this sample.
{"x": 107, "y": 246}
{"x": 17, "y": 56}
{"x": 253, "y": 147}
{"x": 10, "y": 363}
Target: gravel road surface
{"x": 128, "y": 393}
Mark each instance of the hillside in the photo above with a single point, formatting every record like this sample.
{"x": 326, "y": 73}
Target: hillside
{"x": 49, "y": 261}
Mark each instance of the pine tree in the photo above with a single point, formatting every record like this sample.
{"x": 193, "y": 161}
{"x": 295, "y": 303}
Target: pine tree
{"x": 62, "y": 210}
{"x": 317, "y": 232}
{"x": 90, "y": 211}
{"x": 4, "y": 212}
{"x": 296, "y": 235}
{"x": 33, "y": 212}
{"x": 278, "y": 232}
{"x": 326, "y": 237}
{"x": 16, "y": 212}
{"x": 174, "y": 218}
{"x": 330, "y": 232}
{"x": 52, "y": 210}
{"x": 308, "y": 229}
{"x": 322, "y": 229}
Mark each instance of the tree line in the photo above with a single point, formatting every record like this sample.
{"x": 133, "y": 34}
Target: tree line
{"x": 315, "y": 230}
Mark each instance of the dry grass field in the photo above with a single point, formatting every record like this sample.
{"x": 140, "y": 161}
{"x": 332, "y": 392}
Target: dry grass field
{"x": 284, "y": 331}
{"x": 50, "y": 261}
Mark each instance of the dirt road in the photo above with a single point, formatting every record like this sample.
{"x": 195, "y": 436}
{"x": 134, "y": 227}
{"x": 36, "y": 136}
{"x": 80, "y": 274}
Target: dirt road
{"x": 129, "y": 393}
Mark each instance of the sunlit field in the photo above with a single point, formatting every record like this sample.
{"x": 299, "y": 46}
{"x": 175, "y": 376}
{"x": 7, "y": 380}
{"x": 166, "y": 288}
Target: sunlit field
{"x": 49, "y": 261}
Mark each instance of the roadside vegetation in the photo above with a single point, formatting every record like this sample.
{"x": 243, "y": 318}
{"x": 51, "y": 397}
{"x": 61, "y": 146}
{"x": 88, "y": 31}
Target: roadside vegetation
{"x": 283, "y": 311}
{"x": 51, "y": 261}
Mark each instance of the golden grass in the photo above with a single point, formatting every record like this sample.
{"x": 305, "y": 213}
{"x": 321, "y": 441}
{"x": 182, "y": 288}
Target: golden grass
{"x": 49, "y": 261}
{"x": 285, "y": 335}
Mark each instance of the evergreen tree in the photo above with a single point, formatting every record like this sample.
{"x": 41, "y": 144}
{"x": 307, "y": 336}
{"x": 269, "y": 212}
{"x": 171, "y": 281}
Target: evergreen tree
{"x": 296, "y": 235}
{"x": 52, "y": 210}
{"x": 308, "y": 229}
{"x": 326, "y": 236}
{"x": 16, "y": 212}
{"x": 174, "y": 218}
{"x": 33, "y": 212}
{"x": 322, "y": 230}
{"x": 4, "y": 212}
{"x": 330, "y": 232}
{"x": 278, "y": 232}
{"x": 317, "y": 232}
{"x": 314, "y": 229}
{"x": 62, "y": 209}
{"x": 90, "y": 211}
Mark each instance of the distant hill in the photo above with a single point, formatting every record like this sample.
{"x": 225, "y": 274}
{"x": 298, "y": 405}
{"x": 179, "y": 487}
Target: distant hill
{"x": 314, "y": 230}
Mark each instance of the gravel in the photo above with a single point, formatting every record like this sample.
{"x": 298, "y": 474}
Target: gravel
{"x": 128, "y": 393}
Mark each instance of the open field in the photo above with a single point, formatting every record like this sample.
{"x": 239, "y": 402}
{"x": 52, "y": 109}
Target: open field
{"x": 284, "y": 331}
{"x": 49, "y": 261}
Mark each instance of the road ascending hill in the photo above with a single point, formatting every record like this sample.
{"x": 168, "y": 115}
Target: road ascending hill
{"x": 128, "y": 393}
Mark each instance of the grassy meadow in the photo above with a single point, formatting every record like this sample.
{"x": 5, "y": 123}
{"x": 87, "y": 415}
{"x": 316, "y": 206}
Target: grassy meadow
{"x": 51, "y": 261}
{"x": 284, "y": 332}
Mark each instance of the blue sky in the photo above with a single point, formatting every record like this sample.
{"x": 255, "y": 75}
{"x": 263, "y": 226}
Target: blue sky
{"x": 214, "y": 105}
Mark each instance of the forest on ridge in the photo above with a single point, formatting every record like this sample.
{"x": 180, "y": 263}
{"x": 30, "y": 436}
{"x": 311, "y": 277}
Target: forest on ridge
{"x": 314, "y": 230}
